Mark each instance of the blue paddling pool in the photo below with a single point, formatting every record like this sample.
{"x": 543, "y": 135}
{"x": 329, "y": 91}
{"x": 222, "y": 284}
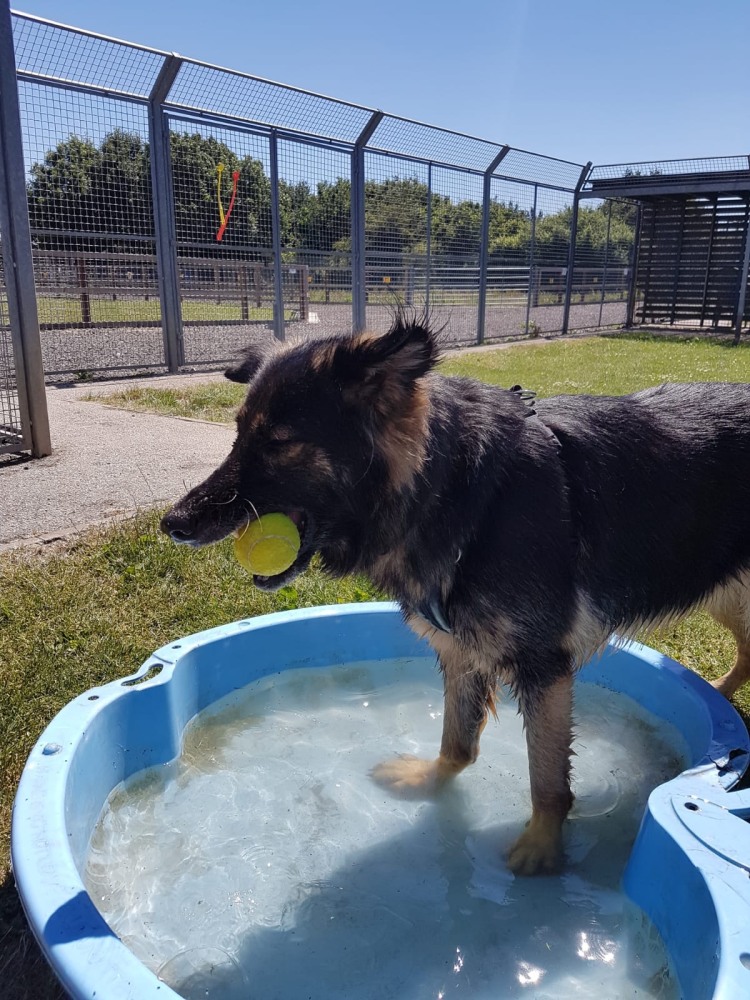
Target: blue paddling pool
{"x": 96, "y": 920}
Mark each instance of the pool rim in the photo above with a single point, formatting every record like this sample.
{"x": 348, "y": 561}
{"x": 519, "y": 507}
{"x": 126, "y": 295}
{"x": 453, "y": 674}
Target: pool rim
{"x": 60, "y": 911}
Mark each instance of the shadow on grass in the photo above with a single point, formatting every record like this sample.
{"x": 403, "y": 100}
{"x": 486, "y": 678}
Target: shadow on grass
{"x": 24, "y": 973}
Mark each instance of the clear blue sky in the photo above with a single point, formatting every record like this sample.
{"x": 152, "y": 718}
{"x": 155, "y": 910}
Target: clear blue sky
{"x": 578, "y": 79}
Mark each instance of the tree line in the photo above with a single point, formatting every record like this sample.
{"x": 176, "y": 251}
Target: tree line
{"x": 84, "y": 196}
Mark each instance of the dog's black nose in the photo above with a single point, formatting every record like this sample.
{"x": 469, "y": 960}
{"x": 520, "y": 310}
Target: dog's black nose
{"x": 178, "y": 526}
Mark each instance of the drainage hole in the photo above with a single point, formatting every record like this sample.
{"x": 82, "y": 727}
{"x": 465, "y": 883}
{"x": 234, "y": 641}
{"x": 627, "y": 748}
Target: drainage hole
{"x": 692, "y": 807}
{"x": 745, "y": 959}
{"x": 93, "y": 697}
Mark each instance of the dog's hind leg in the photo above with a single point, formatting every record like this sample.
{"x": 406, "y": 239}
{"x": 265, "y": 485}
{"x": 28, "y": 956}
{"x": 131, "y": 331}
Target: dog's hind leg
{"x": 730, "y": 606}
{"x": 547, "y": 717}
{"x": 469, "y": 696}
{"x": 733, "y": 679}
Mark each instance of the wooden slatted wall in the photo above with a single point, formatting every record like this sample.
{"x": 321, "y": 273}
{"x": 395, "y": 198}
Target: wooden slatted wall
{"x": 690, "y": 259}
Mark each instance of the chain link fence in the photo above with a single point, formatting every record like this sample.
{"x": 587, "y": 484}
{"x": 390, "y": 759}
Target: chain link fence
{"x": 178, "y": 209}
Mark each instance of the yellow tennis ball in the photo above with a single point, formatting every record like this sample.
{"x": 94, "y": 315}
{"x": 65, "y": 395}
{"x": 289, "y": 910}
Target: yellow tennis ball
{"x": 267, "y": 546}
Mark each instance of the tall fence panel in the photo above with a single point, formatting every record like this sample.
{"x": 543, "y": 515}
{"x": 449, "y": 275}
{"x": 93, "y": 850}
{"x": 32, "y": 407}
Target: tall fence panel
{"x": 510, "y": 257}
{"x": 549, "y": 267}
{"x": 83, "y": 108}
{"x": 457, "y": 199}
{"x": 279, "y": 213}
{"x": 225, "y": 262}
{"x": 397, "y": 263}
{"x": 316, "y": 219}
{"x": 605, "y": 244}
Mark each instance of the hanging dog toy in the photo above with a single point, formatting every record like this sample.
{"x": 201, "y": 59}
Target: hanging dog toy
{"x": 224, "y": 218}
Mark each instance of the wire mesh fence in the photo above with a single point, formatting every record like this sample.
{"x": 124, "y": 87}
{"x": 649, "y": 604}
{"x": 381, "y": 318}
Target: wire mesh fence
{"x": 315, "y": 222}
{"x": 263, "y": 224}
{"x": 11, "y": 429}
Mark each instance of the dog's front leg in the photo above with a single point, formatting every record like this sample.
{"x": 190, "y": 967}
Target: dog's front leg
{"x": 547, "y": 717}
{"x": 469, "y": 694}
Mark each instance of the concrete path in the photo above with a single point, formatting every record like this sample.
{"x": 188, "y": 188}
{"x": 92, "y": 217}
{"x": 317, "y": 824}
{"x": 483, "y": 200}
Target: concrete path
{"x": 105, "y": 463}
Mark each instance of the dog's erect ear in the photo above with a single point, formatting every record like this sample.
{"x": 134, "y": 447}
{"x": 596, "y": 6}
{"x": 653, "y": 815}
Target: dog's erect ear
{"x": 250, "y": 360}
{"x": 382, "y": 369}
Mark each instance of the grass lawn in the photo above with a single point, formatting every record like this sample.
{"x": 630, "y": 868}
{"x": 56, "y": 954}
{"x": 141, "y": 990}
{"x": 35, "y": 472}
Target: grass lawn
{"x": 600, "y": 365}
{"x": 95, "y": 610}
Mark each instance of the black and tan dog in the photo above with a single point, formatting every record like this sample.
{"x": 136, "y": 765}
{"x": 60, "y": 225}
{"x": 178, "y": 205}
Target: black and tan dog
{"x": 516, "y": 539}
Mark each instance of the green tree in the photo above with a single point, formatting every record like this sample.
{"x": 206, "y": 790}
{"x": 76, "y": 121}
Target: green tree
{"x": 62, "y": 192}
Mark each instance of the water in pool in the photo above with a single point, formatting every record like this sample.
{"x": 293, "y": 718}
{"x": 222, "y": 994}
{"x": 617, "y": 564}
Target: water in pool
{"x": 264, "y": 862}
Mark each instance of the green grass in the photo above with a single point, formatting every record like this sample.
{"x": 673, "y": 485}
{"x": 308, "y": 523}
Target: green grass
{"x": 599, "y": 365}
{"x": 214, "y": 401}
{"x": 95, "y": 610}
{"x": 607, "y": 365}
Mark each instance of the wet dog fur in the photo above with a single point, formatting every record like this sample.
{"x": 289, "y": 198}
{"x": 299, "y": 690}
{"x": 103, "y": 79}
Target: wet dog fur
{"x": 516, "y": 538}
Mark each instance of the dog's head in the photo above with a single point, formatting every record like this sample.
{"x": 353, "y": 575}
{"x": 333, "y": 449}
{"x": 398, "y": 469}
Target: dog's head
{"x": 330, "y": 429}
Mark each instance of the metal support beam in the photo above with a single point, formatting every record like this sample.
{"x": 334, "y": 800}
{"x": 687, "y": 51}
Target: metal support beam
{"x": 744, "y": 277}
{"x": 572, "y": 248}
{"x": 428, "y": 263}
{"x": 163, "y": 206}
{"x": 709, "y": 255}
{"x": 278, "y": 287}
{"x": 606, "y": 262}
{"x": 484, "y": 240}
{"x": 532, "y": 252}
{"x": 359, "y": 280}
{"x": 17, "y": 257}
{"x": 634, "y": 257}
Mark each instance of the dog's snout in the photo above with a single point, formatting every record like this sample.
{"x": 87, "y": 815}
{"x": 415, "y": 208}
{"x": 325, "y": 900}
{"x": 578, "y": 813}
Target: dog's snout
{"x": 178, "y": 526}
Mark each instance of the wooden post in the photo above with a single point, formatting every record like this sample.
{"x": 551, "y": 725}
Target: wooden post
{"x": 83, "y": 285}
{"x": 304, "y": 298}
{"x": 244, "y": 304}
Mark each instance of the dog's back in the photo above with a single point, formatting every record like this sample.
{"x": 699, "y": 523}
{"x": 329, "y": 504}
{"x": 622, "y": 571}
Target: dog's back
{"x": 659, "y": 490}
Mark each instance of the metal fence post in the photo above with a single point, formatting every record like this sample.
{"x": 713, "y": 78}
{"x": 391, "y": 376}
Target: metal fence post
{"x": 278, "y": 285}
{"x": 359, "y": 278}
{"x": 484, "y": 240}
{"x": 163, "y": 207}
{"x": 572, "y": 248}
{"x": 532, "y": 252}
{"x": 17, "y": 256}
{"x": 633, "y": 285}
{"x": 606, "y": 261}
{"x": 744, "y": 276}
{"x": 428, "y": 249}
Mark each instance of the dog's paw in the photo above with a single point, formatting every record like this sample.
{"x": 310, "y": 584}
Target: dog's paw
{"x": 538, "y": 851}
{"x": 408, "y": 776}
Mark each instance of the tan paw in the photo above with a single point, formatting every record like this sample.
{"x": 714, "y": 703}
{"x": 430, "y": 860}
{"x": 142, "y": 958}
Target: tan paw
{"x": 408, "y": 776}
{"x": 538, "y": 851}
